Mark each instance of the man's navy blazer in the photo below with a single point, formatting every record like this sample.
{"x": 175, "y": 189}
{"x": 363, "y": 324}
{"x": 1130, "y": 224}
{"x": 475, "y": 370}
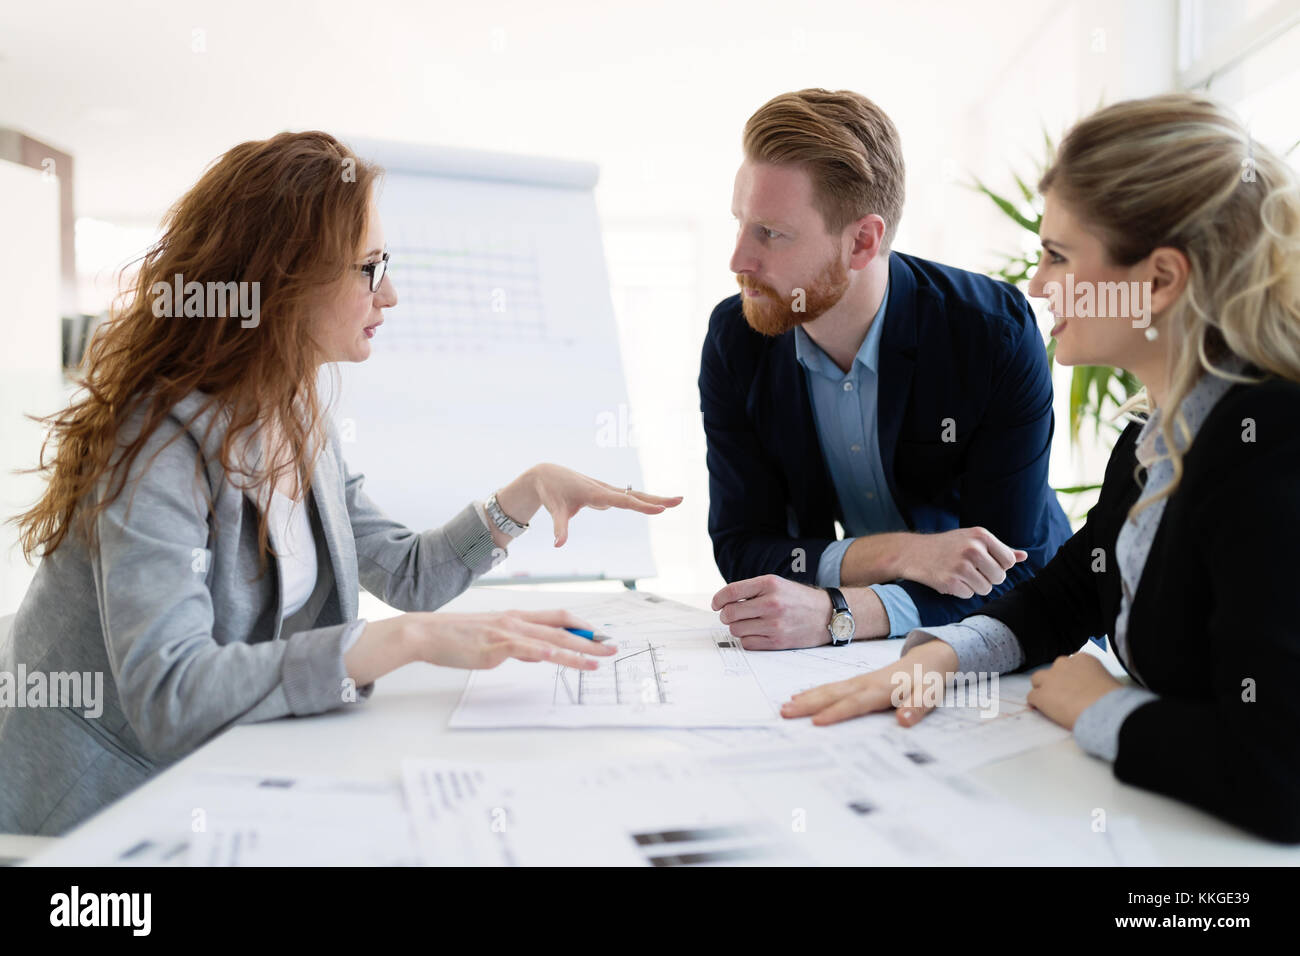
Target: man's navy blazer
{"x": 961, "y": 357}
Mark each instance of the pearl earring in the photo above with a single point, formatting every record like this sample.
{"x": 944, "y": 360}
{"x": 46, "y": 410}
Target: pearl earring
{"x": 1151, "y": 333}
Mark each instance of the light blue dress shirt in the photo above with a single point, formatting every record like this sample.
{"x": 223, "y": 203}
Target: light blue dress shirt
{"x": 845, "y": 412}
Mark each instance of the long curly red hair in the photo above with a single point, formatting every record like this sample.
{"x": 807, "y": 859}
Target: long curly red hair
{"x": 289, "y": 213}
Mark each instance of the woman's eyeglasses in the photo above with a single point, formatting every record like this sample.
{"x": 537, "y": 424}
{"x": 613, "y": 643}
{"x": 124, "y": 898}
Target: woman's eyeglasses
{"x": 376, "y": 271}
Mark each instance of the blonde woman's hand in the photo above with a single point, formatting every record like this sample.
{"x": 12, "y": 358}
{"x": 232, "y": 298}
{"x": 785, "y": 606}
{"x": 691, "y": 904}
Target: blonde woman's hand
{"x": 1070, "y": 686}
{"x": 895, "y": 686}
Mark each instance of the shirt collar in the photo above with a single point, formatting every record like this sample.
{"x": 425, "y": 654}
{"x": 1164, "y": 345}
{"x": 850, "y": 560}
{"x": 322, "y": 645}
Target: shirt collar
{"x": 811, "y": 356}
{"x": 1196, "y": 406}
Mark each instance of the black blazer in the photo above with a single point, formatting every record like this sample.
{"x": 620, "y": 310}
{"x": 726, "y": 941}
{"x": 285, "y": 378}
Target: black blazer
{"x": 1215, "y": 620}
{"x": 956, "y": 347}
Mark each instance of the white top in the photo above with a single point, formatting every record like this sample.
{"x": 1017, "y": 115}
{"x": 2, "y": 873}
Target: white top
{"x": 291, "y": 532}
{"x": 297, "y": 549}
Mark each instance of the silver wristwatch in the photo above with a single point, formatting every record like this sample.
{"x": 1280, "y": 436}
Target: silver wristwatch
{"x": 505, "y": 524}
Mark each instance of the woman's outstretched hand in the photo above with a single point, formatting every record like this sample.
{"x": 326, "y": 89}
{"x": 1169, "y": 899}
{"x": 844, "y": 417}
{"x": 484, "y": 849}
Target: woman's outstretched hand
{"x": 901, "y": 686}
{"x": 564, "y": 493}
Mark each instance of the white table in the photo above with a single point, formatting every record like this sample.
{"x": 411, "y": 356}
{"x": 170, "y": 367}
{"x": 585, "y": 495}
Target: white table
{"x": 408, "y": 714}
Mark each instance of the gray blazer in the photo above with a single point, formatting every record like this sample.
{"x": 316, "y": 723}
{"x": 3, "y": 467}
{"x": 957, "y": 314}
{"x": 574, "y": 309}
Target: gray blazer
{"x": 185, "y": 646}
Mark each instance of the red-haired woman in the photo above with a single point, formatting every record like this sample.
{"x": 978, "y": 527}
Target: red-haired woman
{"x": 199, "y": 443}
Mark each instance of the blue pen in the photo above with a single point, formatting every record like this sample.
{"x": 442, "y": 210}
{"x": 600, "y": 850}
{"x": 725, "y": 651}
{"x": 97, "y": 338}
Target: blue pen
{"x": 589, "y": 635}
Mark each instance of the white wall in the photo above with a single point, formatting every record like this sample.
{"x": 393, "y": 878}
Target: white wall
{"x": 30, "y": 358}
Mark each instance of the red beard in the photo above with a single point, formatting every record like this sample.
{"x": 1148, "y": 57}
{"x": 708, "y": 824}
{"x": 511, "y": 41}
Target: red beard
{"x": 770, "y": 314}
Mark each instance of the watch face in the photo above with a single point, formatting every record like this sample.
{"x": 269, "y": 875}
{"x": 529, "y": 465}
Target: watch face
{"x": 841, "y": 626}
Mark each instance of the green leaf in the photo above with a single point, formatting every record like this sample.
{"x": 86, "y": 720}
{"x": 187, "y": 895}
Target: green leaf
{"x": 1078, "y": 399}
{"x": 1025, "y": 191}
{"x": 1100, "y": 378}
{"x": 1008, "y": 208}
{"x": 1076, "y": 489}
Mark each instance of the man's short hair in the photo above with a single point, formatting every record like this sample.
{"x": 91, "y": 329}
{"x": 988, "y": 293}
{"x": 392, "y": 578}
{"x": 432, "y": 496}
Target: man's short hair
{"x": 848, "y": 145}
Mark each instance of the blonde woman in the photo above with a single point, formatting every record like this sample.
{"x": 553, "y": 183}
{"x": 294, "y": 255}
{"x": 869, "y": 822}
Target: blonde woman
{"x": 199, "y": 444}
{"x": 1189, "y": 560}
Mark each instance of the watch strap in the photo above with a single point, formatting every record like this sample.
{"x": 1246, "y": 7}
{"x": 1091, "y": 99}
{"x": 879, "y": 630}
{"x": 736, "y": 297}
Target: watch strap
{"x": 839, "y": 606}
{"x": 503, "y": 521}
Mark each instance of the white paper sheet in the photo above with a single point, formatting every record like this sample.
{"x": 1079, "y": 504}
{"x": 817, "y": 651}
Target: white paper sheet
{"x": 644, "y": 611}
{"x": 994, "y": 722}
{"x": 677, "y": 678}
{"x": 785, "y": 805}
{"x": 236, "y": 818}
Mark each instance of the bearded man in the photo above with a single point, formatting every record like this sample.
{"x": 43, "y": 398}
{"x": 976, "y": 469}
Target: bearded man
{"x": 908, "y": 401}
